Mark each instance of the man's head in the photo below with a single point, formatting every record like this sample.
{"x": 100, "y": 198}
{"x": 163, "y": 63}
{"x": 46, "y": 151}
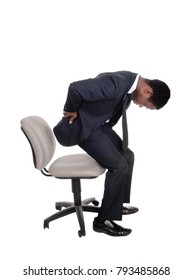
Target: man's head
{"x": 153, "y": 94}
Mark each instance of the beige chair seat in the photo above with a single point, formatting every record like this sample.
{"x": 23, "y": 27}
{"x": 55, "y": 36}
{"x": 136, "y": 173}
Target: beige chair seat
{"x": 75, "y": 166}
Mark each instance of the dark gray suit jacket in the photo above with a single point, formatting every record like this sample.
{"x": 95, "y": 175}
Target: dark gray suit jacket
{"x": 98, "y": 99}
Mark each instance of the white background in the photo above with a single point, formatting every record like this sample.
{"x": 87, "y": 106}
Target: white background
{"x": 44, "y": 46}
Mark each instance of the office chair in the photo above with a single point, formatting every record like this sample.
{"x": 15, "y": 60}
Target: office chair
{"x": 74, "y": 167}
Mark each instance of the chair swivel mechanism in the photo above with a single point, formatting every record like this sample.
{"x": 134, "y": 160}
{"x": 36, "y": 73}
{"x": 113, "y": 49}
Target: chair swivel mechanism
{"x": 74, "y": 167}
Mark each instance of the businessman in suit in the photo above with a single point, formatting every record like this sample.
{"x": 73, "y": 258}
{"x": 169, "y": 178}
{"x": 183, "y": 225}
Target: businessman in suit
{"x": 98, "y": 103}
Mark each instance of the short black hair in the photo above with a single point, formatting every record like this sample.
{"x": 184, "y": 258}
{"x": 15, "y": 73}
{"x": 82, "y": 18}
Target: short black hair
{"x": 161, "y": 92}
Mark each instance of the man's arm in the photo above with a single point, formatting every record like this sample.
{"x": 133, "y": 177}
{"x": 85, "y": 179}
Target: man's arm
{"x": 86, "y": 90}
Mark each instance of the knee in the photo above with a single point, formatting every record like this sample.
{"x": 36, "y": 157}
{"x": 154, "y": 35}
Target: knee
{"x": 132, "y": 156}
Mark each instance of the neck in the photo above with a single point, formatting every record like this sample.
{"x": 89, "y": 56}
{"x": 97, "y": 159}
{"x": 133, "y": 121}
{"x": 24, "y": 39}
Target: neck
{"x": 140, "y": 83}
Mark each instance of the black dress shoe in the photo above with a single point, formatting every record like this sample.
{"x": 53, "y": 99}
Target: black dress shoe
{"x": 110, "y": 228}
{"x": 129, "y": 210}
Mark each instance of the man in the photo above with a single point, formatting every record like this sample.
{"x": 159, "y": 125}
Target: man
{"x": 98, "y": 103}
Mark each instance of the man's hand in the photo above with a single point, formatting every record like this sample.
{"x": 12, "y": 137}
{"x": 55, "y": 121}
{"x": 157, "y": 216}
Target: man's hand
{"x": 73, "y": 116}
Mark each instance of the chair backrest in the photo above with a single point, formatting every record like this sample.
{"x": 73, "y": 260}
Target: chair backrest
{"x": 41, "y": 139}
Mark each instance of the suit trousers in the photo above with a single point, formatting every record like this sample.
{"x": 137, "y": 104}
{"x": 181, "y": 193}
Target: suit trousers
{"x": 105, "y": 146}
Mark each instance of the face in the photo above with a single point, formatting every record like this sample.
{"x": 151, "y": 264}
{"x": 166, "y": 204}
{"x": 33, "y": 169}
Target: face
{"x": 143, "y": 98}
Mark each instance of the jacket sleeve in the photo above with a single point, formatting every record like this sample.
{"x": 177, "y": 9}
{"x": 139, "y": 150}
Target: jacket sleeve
{"x": 73, "y": 101}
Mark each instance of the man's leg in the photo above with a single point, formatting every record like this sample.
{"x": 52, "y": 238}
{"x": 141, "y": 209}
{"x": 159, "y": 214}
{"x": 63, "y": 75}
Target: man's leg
{"x": 127, "y": 154}
{"x": 118, "y": 177}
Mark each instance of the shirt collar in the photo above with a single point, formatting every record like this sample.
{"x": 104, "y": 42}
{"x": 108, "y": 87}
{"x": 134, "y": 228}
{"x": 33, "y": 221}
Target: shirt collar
{"x": 133, "y": 87}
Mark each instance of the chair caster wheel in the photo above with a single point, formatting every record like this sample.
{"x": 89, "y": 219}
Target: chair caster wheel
{"x": 95, "y": 203}
{"x": 58, "y": 208}
{"x": 81, "y": 233}
{"x": 46, "y": 224}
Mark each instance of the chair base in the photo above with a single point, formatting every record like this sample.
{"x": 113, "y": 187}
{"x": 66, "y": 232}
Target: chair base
{"x": 77, "y": 206}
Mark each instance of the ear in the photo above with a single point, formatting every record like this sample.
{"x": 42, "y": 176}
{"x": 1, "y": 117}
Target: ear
{"x": 148, "y": 92}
